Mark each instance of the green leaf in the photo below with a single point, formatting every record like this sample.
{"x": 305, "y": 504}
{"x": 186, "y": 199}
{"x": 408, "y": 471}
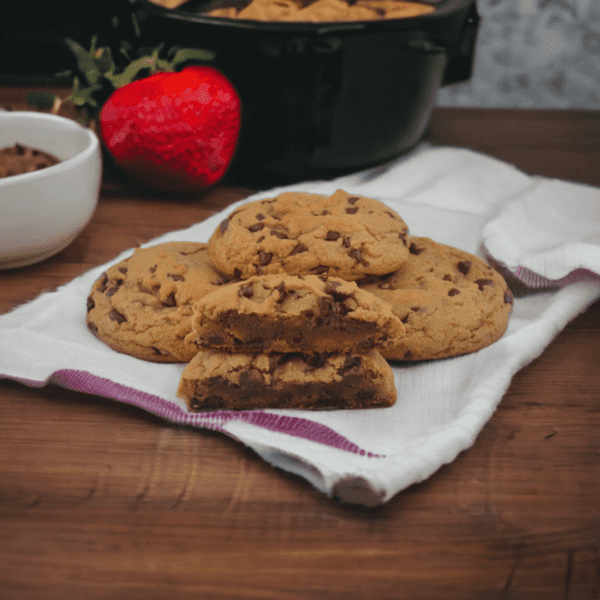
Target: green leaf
{"x": 97, "y": 74}
{"x": 85, "y": 62}
{"x": 82, "y": 96}
{"x": 41, "y": 100}
{"x": 104, "y": 60}
{"x": 130, "y": 73}
{"x": 182, "y": 55}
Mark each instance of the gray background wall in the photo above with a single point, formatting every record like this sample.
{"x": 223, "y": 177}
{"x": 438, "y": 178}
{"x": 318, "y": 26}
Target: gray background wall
{"x": 533, "y": 54}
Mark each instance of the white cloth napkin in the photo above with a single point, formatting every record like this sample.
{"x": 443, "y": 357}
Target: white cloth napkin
{"x": 546, "y": 232}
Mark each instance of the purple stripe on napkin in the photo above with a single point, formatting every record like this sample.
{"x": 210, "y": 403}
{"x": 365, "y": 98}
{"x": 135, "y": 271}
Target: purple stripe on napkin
{"x": 533, "y": 280}
{"x": 82, "y": 381}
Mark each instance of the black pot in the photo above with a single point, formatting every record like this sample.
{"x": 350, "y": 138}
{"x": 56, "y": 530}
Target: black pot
{"x": 322, "y": 99}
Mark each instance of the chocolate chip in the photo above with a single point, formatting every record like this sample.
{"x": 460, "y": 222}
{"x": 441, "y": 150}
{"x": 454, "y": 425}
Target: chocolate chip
{"x": 298, "y": 249}
{"x": 237, "y": 274}
{"x": 331, "y": 287}
{"x": 251, "y": 379}
{"x": 170, "y": 301}
{"x": 407, "y": 354}
{"x": 92, "y": 327}
{"x": 274, "y": 361}
{"x": 332, "y": 236}
{"x": 212, "y": 340}
{"x": 103, "y": 281}
{"x": 481, "y": 283}
{"x": 260, "y": 217}
{"x": 256, "y": 227}
{"x": 176, "y": 277}
{"x": 156, "y": 351}
{"x": 387, "y": 212}
{"x": 508, "y": 297}
{"x": 224, "y": 225}
{"x": 404, "y": 319}
{"x": 152, "y": 269}
{"x": 350, "y": 363}
{"x": 115, "y": 315}
{"x": 261, "y": 239}
{"x": 453, "y": 292}
{"x": 414, "y": 249}
{"x": 352, "y": 211}
{"x": 279, "y": 234}
{"x": 355, "y": 254}
{"x": 346, "y": 242}
{"x": 353, "y": 199}
{"x": 402, "y": 236}
{"x": 210, "y": 402}
{"x": 123, "y": 270}
{"x": 282, "y": 292}
{"x": 111, "y": 291}
{"x": 447, "y": 278}
{"x": 90, "y": 303}
{"x": 265, "y": 257}
{"x": 245, "y": 291}
{"x": 464, "y": 266}
{"x": 320, "y": 270}
{"x": 317, "y": 360}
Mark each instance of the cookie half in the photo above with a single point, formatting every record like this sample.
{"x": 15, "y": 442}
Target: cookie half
{"x": 219, "y": 380}
{"x": 341, "y": 235}
{"x": 276, "y": 313}
{"x": 142, "y": 306}
{"x": 450, "y": 302}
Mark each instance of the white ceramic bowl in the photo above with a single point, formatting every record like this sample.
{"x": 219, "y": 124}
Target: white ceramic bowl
{"x": 43, "y": 212}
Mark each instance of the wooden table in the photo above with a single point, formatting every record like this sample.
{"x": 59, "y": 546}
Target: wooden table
{"x": 101, "y": 500}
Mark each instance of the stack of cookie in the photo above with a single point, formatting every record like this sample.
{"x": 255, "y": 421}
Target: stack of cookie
{"x": 285, "y": 341}
{"x": 294, "y": 301}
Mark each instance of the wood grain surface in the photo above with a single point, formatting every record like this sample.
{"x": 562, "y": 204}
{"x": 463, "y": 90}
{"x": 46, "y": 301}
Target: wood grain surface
{"x": 99, "y": 500}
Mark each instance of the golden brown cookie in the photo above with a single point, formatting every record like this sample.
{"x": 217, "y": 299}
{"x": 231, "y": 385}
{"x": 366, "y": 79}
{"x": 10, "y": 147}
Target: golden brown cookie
{"x": 320, "y": 10}
{"x": 341, "y": 235}
{"x": 218, "y": 380}
{"x": 278, "y": 313}
{"x": 142, "y": 306}
{"x": 450, "y": 302}
{"x": 269, "y": 10}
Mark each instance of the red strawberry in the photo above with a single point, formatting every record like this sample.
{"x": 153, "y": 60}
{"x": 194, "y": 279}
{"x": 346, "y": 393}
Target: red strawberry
{"x": 175, "y": 131}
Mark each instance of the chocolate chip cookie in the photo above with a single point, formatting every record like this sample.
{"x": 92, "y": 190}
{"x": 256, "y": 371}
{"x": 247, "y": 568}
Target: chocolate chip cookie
{"x": 450, "y": 302}
{"x": 341, "y": 235}
{"x": 277, "y": 313}
{"x": 218, "y": 380}
{"x": 321, "y": 10}
{"x": 142, "y": 306}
